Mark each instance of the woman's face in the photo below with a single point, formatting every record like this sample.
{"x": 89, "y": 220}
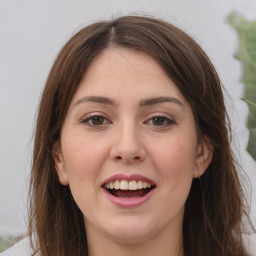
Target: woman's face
{"x": 129, "y": 149}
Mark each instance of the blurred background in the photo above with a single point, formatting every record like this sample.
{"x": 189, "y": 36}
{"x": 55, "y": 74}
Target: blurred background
{"x": 32, "y": 33}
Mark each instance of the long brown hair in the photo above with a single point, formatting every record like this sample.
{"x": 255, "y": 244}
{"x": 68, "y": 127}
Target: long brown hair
{"x": 214, "y": 209}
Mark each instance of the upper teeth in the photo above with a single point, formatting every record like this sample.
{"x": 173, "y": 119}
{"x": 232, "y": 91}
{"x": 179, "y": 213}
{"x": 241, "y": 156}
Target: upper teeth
{"x": 127, "y": 185}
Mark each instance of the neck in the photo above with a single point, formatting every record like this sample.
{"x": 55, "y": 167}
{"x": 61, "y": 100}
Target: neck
{"x": 160, "y": 245}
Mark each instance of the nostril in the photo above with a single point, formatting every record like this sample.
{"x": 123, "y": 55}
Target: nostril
{"x": 136, "y": 158}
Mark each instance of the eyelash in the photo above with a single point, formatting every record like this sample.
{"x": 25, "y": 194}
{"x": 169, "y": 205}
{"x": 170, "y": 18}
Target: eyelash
{"x": 90, "y": 119}
{"x": 165, "y": 121}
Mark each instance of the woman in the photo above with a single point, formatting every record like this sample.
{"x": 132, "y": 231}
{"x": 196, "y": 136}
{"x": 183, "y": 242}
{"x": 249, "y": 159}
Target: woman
{"x": 132, "y": 152}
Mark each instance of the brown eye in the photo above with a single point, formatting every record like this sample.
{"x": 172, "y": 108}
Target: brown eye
{"x": 95, "y": 121}
{"x": 161, "y": 121}
{"x": 158, "y": 120}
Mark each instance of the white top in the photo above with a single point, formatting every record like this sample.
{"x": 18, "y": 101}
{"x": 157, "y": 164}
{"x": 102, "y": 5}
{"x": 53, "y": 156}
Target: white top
{"x": 250, "y": 243}
{"x": 22, "y": 248}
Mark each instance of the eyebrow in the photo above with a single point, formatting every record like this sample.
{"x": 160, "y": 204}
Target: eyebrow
{"x": 97, "y": 99}
{"x": 143, "y": 102}
{"x": 157, "y": 100}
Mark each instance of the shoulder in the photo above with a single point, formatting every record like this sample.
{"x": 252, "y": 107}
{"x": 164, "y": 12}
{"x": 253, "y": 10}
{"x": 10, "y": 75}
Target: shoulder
{"x": 22, "y": 248}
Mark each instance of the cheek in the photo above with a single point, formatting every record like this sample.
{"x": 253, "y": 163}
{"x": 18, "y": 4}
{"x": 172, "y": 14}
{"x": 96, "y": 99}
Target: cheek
{"x": 82, "y": 162}
{"x": 175, "y": 156}
{"x": 82, "y": 158}
{"x": 175, "y": 163}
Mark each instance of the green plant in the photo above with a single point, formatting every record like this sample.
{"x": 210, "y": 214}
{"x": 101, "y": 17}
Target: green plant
{"x": 246, "y": 53}
{"x": 4, "y": 243}
{"x": 8, "y": 241}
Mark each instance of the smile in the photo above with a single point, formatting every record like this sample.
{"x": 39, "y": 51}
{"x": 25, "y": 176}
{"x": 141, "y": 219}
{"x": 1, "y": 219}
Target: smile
{"x": 128, "y": 191}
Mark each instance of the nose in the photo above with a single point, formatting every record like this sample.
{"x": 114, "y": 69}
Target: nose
{"x": 128, "y": 145}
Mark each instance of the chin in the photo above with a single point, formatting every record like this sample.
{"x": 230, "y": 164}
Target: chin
{"x": 130, "y": 232}
{"x": 130, "y": 237}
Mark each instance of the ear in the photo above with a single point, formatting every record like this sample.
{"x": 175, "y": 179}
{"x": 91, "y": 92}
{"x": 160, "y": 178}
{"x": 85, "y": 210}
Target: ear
{"x": 203, "y": 157}
{"x": 59, "y": 164}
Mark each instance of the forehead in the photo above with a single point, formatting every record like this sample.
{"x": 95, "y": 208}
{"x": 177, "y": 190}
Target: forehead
{"x": 122, "y": 71}
{"x": 122, "y": 57}
{"x": 117, "y": 62}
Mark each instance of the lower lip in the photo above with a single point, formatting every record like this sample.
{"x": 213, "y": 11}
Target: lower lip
{"x": 128, "y": 202}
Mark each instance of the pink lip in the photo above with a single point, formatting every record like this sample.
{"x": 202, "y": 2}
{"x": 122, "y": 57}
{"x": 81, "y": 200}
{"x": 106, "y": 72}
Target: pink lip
{"x": 128, "y": 202}
{"x": 128, "y": 178}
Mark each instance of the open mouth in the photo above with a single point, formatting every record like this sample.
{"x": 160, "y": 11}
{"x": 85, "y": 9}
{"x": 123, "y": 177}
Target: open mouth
{"x": 128, "y": 189}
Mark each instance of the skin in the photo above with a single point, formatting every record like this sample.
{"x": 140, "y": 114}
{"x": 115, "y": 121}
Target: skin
{"x": 128, "y": 140}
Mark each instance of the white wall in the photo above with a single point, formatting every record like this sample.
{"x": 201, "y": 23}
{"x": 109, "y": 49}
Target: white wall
{"x": 31, "y": 34}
